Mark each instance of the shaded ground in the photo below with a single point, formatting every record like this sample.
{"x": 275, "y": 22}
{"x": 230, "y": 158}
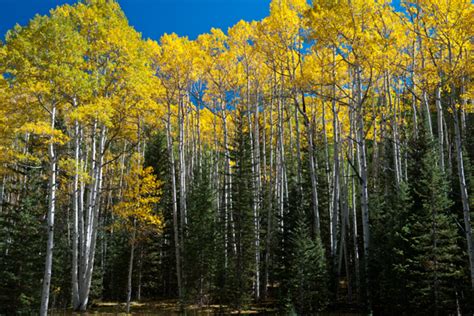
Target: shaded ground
{"x": 172, "y": 308}
{"x": 169, "y": 308}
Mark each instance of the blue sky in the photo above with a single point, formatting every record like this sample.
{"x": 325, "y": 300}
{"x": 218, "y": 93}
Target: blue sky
{"x": 152, "y": 18}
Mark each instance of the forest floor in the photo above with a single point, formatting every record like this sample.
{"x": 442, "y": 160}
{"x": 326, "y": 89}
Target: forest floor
{"x": 173, "y": 308}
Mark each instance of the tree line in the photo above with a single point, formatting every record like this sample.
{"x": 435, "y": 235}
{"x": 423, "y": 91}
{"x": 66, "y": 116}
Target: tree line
{"x": 317, "y": 159}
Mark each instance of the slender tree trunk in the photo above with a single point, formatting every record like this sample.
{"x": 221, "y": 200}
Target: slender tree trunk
{"x": 81, "y": 238}
{"x": 429, "y": 124}
{"x": 332, "y": 216}
{"x": 439, "y": 110}
{"x": 182, "y": 168}
{"x": 362, "y": 165}
{"x": 298, "y": 154}
{"x": 175, "y": 202}
{"x": 227, "y": 201}
{"x": 351, "y": 158}
{"x": 216, "y": 161}
{"x": 414, "y": 82}
{"x": 312, "y": 169}
{"x": 335, "y": 181}
{"x": 50, "y": 220}
{"x": 449, "y": 150}
{"x": 2, "y": 192}
{"x": 395, "y": 139}
{"x": 199, "y": 141}
{"x": 93, "y": 223}
{"x": 269, "y": 196}
{"x": 255, "y": 160}
{"x": 85, "y": 221}
{"x": 130, "y": 265}
{"x": 280, "y": 154}
{"x": 75, "y": 206}
{"x": 345, "y": 208}
{"x": 464, "y": 193}
{"x": 140, "y": 274}
{"x": 424, "y": 94}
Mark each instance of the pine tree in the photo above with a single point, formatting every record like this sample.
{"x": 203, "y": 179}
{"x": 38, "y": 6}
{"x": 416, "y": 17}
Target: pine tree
{"x": 21, "y": 235}
{"x": 392, "y": 204}
{"x": 241, "y": 268}
{"x": 201, "y": 239}
{"x": 159, "y": 275}
{"x": 303, "y": 270}
{"x": 308, "y": 278}
{"x": 388, "y": 260}
{"x": 432, "y": 255}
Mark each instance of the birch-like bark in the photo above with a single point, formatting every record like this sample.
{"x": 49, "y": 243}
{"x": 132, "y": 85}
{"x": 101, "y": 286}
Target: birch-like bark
{"x": 91, "y": 238}
{"x": 449, "y": 149}
{"x": 332, "y": 217}
{"x": 439, "y": 111}
{"x": 182, "y": 167}
{"x": 140, "y": 274}
{"x": 134, "y": 229}
{"x": 216, "y": 161}
{"x": 312, "y": 168}
{"x": 130, "y": 265}
{"x": 362, "y": 165}
{"x": 395, "y": 138}
{"x": 344, "y": 198}
{"x": 424, "y": 93}
{"x": 2, "y": 192}
{"x": 355, "y": 234}
{"x": 255, "y": 142}
{"x": 298, "y": 154}
{"x": 464, "y": 193}
{"x": 86, "y": 222}
{"x": 75, "y": 207}
{"x": 177, "y": 243}
{"x": 413, "y": 100}
{"x": 270, "y": 194}
{"x": 279, "y": 159}
{"x": 227, "y": 201}
{"x": 335, "y": 181}
{"x": 198, "y": 136}
{"x": 50, "y": 219}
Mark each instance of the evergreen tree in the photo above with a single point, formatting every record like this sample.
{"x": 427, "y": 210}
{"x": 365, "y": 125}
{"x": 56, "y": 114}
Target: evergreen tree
{"x": 241, "y": 263}
{"x": 21, "y": 235}
{"x": 309, "y": 279}
{"x": 158, "y": 275}
{"x": 302, "y": 261}
{"x": 429, "y": 237}
{"x": 201, "y": 238}
{"x": 388, "y": 260}
{"x": 392, "y": 204}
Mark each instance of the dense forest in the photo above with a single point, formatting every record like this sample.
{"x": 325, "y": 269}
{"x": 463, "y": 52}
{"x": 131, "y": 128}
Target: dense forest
{"x": 318, "y": 159}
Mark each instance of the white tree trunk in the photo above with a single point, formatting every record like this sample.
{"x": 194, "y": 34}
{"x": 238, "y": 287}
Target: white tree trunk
{"x": 50, "y": 220}
{"x": 182, "y": 174}
{"x": 177, "y": 243}
{"x": 464, "y": 194}
{"x": 312, "y": 167}
{"x": 75, "y": 206}
{"x": 130, "y": 265}
{"x": 439, "y": 110}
